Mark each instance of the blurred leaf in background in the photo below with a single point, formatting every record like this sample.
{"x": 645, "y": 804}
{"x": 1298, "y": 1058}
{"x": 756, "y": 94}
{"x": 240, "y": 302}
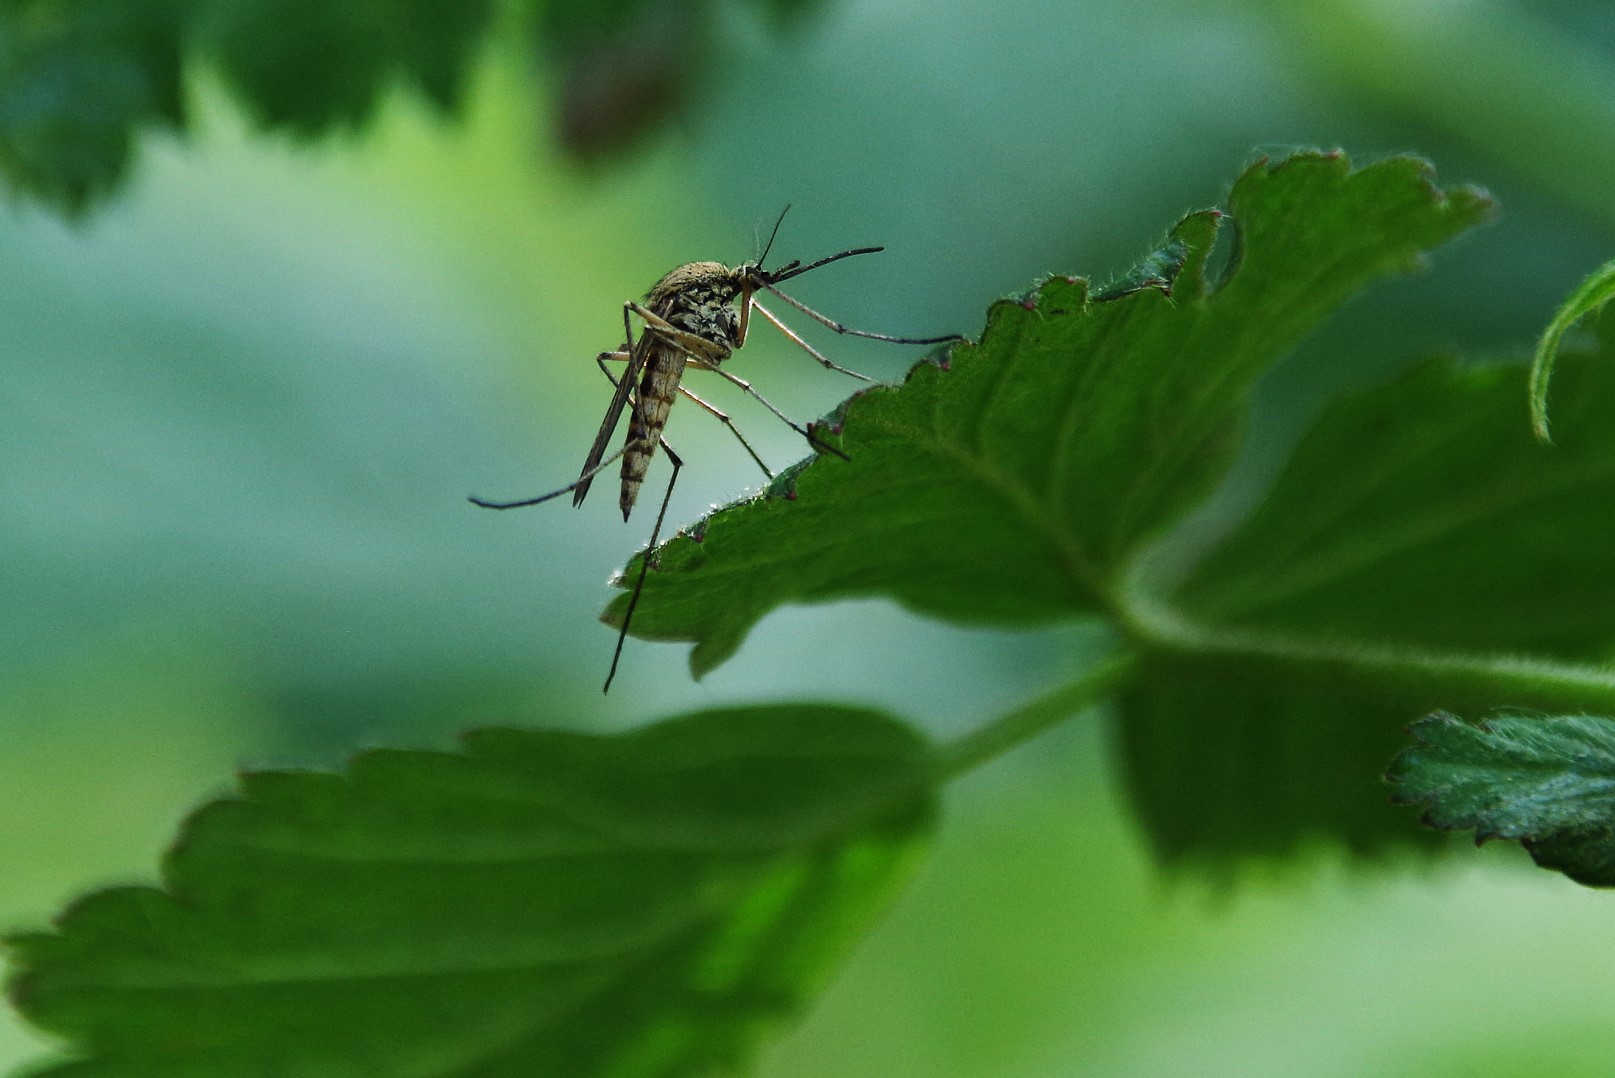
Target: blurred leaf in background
{"x": 540, "y": 902}
{"x": 241, "y": 405}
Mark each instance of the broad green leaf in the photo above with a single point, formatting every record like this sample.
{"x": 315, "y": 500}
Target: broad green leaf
{"x": 1589, "y": 296}
{"x": 1547, "y": 782}
{"x": 1423, "y": 512}
{"x": 1415, "y": 517}
{"x": 1013, "y": 481}
{"x": 541, "y": 903}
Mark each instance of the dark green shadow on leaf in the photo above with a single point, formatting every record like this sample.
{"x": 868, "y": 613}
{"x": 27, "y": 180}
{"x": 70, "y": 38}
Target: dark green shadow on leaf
{"x": 1227, "y": 763}
{"x": 542, "y": 903}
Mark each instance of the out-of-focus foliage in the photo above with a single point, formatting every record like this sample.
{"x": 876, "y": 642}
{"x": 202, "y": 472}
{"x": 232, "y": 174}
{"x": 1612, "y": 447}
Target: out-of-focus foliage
{"x": 239, "y": 413}
{"x": 542, "y": 903}
{"x": 1546, "y": 781}
{"x": 81, "y": 83}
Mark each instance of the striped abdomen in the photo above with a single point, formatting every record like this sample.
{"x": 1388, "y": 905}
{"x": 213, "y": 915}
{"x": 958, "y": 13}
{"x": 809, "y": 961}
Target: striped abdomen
{"x": 658, "y": 385}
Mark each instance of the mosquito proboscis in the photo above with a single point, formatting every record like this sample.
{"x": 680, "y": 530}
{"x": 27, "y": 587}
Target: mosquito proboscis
{"x": 695, "y": 317}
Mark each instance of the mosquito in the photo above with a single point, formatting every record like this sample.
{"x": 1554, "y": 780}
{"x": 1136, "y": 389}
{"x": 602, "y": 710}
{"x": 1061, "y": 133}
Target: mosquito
{"x": 694, "y": 318}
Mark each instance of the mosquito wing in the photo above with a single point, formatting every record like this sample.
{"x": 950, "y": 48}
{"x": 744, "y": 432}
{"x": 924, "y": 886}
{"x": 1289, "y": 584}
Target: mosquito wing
{"x": 608, "y": 425}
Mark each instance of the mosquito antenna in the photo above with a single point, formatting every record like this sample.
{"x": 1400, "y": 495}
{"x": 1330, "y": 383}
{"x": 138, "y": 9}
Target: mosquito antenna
{"x": 769, "y": 246}
{"x": 785, "y": 273}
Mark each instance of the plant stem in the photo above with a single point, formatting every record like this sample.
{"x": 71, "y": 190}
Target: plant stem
{"x": 1455, "y": 680}
{"x": 1028, "y": 721}
{"x": 1424, "y": 680}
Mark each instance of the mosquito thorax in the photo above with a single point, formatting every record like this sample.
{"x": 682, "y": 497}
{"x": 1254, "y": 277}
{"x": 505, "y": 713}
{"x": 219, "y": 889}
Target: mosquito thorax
{"x": 699, "y": 297}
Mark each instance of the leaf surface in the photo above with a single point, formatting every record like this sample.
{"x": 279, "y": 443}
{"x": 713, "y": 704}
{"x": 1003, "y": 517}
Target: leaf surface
{"x": 1417, "y": 517}
{"x": 540, "y": 903}
{"x": 1546, "y": 782}
{"x": 1423, "y": 512}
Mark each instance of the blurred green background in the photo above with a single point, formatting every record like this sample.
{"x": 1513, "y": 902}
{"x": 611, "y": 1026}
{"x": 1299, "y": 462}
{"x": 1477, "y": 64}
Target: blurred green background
{"x": 241, "y": 408}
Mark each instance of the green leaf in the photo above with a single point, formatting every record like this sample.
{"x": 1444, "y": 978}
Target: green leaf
{"x": 1014, "y": 481}
{"x": 1547, "y": 782}
{"x": 1589, "y": 296}
{"x": 541, "y": 903}
{"x": 1423, "y": 512}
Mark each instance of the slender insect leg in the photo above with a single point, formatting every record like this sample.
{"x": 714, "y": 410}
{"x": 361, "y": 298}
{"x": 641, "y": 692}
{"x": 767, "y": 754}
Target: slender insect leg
{"x": 575, "y": 484}
{"x": 723, "y": 417}
{"x": 804, "y": 345}
{"x": 644, "y": 564}
{"x": 719, "y": 414}
{"x": 745, "y": 387}
{"x": 824, "y": 320}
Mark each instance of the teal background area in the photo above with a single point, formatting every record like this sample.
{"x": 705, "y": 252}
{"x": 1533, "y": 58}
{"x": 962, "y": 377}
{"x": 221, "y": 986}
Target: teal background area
{"x": 241, "y": 409}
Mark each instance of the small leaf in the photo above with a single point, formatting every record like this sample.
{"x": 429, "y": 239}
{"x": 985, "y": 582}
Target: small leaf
{"x": 541, "y": 903}
{"x": 1548, "y": 783}
{"x": 1589, "y": 296}
{"x": 1015, "y": 482}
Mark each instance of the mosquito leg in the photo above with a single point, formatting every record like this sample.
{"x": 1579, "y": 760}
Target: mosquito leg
{"x": 839, "y": 328}
{"x": 804, "y": 345}
{"x": 619, "y": 356}
{"x": 628, "y": 326}
{"x": 575, "y": 484}
{"x": 644, "y": 565}
{"x": 717, "y": 413}
{"x": 745, "y": 387}
{"x": 704, "y": 355}
{"x": 723, "y": 417}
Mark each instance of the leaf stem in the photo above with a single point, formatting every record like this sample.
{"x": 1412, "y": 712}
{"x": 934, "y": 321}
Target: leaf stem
{"x": 1028, "y": 721}
{"x": 1455, "y": 680}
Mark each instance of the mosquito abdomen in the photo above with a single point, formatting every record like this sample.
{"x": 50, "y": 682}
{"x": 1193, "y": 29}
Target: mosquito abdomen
{"x": 658, "y": 385}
